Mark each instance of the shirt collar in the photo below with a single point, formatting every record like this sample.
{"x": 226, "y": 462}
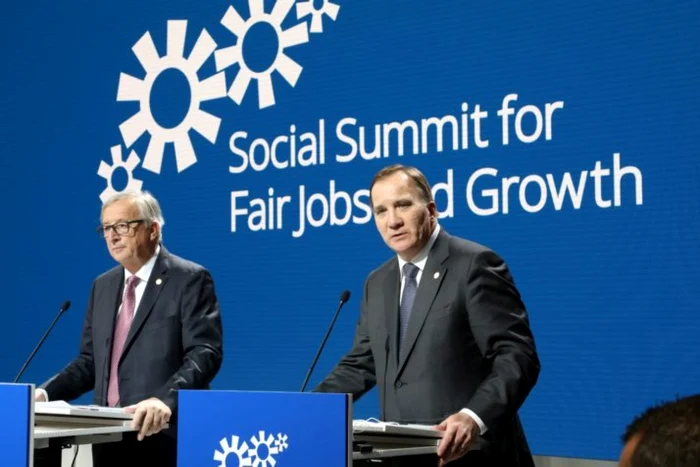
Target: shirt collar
{"x": 421, "y": 258}
{"x": 144, "y": 273}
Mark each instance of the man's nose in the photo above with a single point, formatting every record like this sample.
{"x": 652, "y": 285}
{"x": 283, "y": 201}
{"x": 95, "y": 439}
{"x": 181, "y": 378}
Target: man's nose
{"x": 111, "y": 235}
{"x": 395, "y": 220}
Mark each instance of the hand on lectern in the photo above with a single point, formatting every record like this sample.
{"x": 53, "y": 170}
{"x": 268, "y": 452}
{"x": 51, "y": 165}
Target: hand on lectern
{"x": 150, "y": 416}
{"x": 40, "y": 396}
{"x": 460, "y": 432}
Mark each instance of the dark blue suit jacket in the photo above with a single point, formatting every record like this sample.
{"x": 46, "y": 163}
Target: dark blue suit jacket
{"x": 175, "y": 341}
{"x": 468, "y": 345}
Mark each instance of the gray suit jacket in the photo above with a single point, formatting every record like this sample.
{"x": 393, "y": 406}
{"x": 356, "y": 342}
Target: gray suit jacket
{"x": 468, "y": 345}
{"x": 175, "y": 341}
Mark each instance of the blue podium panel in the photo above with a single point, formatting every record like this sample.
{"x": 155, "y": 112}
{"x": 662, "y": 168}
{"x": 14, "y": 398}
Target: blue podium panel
{"x": 263, "y": 429}
{"x": 16, "y": 428}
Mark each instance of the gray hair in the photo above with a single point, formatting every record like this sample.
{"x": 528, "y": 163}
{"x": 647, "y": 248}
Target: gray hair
{"x": 148, "y": 207}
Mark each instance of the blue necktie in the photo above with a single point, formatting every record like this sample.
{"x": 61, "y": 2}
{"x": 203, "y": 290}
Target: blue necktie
{"x": 410, "y": 271}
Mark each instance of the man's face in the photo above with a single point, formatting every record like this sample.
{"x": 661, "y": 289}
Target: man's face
{"x": 404, "y": 219}
{"x": 133, "y": 248}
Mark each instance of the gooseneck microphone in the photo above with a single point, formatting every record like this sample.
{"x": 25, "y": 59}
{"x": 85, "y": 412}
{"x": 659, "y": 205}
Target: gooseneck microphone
{"x": 344, "y": 297}
{"x": 63, "y": 309}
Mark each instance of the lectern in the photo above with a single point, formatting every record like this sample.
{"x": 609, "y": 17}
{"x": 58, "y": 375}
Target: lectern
{"x": 34, "y": 434}
{"x": 279, "y": 429}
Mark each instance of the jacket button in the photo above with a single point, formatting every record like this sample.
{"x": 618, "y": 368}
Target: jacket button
{"x": 398, "y": 384}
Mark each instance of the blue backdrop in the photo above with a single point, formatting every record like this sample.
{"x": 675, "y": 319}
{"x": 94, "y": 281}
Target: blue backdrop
{"x": 564, "y": 136}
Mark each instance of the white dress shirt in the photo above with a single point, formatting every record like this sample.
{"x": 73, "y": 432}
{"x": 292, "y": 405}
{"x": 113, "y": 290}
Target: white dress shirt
{"x": 144, "y": 274}
{"x": 420, "y": 260}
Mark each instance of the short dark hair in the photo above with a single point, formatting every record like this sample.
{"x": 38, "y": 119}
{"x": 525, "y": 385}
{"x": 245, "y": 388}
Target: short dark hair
{"x": 669, "y": 434}
{"x": 413, "y": 173}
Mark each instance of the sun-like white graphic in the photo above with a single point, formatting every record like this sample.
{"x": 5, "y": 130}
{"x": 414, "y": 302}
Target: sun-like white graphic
{"x": 329, "y": 9}
{"x": 106, "y": 171}
{"x": 288, "y": 68}
{"x": 134, "y": 89}
{"x": 239, "y": 450}
{"x": 263, "y": 444}
{"x": 281, "y": 442}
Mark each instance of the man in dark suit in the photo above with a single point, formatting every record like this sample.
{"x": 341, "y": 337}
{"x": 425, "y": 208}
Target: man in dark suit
{"x": 442, "y": 332}
{"x": 152, "y": 327}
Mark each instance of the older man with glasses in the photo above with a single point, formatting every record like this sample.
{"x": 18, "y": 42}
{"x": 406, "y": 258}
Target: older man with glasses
{"x": 152, "y": 327}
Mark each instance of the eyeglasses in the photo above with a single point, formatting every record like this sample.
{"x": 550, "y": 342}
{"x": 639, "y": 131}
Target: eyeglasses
{"x": 120, "y": 228}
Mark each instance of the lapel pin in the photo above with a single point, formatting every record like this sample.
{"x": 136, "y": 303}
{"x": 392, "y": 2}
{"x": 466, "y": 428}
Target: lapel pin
{"x": 159, "y": 281}
{"x": 436, "y": 275}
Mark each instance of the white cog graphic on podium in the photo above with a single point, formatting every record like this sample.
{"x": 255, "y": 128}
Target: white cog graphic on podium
{"x": 329, "y": 9}
{"x": 266, "y": 443}
{"x": 134, "y": 89}
{"x": 288, "y": 68}
{"x": 106, "y": 171}
{"x": 239, "y": 450}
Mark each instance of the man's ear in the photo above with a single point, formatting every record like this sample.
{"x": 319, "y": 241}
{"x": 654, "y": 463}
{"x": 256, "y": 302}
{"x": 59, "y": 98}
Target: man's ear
{"x": 155, "y": 230}
{"x": 432, "y": 208}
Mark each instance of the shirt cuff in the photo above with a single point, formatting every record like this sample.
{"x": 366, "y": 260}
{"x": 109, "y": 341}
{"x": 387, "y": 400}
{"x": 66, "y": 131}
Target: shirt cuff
{"x": 42, "y": 391}
{"x": 482, "y": 426}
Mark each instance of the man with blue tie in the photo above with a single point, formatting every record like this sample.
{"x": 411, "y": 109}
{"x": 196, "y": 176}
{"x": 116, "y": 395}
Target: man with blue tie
{"x": 442, "y": 332}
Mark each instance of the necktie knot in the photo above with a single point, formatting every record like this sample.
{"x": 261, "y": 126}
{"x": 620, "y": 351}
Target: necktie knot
{"x": 132, "y": 282}
{"x": 410, "y": 270}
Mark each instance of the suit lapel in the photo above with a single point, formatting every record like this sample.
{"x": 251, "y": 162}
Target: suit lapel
{"x": 155, "y": 284}
{"x": 431, "y": 279}
{"x": 392, "y": 284}
{"x": 108, "y": 318}
{"x": 113, "y": 301}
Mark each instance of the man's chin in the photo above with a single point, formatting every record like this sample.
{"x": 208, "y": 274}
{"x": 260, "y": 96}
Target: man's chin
{"x": 402, "y": 249}
{"x": 118, "y": 255}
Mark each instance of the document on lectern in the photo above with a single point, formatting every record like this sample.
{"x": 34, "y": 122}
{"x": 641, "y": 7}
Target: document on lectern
{"x": 95, "y": 411}
{"x": 396, "y": 429}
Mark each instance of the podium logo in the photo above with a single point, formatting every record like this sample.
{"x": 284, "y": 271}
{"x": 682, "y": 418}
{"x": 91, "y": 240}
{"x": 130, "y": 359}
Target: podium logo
{"x": 262, "y": 452}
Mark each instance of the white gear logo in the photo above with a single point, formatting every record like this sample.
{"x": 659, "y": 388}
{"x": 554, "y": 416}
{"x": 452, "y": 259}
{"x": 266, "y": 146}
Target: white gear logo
{"x": 288, "y": 68}
{"x": 307, "y": 8}
{"x": 134, "y": 89}
{"x": 106, "y": 171}
{"x": 240, "y": 451}
{"x": 259, "y": 442}
{"x": 281, "y": 442}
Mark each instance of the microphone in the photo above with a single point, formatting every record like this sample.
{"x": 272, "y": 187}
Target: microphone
{"x": 344, "y": 297}
{"x": 64, "y": 307}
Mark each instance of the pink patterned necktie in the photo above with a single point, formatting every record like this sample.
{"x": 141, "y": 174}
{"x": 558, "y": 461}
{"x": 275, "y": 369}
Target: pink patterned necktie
{"x": 121, "y": 330}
